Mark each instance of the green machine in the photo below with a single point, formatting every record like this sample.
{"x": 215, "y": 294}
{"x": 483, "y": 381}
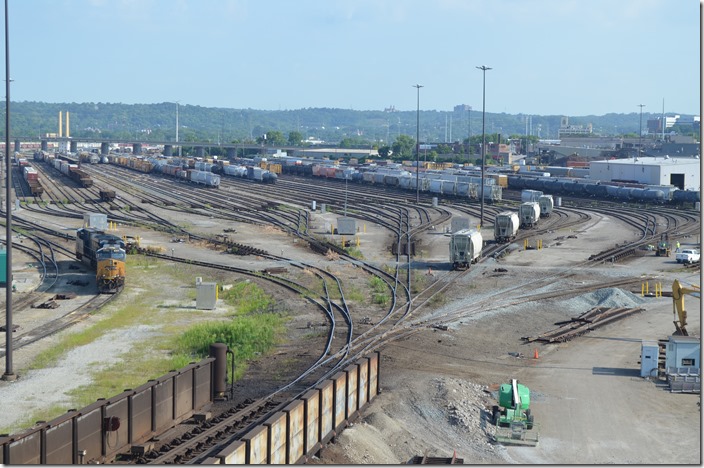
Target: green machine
{"x": 3, "y": 268}
{"x": 513, "y": 413}
{"x": 664, "y": 246}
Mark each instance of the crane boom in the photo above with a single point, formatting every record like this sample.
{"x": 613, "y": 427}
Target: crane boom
{"x": 678, "y": 310}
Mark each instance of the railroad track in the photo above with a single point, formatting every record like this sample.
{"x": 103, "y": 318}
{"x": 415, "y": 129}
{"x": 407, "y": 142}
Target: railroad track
{"x": 401, "y": 318}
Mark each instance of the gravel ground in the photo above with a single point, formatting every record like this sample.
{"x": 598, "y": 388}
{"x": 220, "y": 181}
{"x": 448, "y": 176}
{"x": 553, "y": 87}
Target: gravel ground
{"x": 437, "y": 386}
{"x": 589, "y": 403}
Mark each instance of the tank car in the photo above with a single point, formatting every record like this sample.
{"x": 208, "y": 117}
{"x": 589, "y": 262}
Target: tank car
{"x": 106, "y": 254}
{"x": 686, "y": 196}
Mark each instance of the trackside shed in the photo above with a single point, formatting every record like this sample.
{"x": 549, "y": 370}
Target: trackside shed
{"x": 683, "y": 173}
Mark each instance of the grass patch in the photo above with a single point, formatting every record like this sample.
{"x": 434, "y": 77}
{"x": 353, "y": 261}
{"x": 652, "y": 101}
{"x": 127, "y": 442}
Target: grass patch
{"x": 128, "y": 315}
{"x": 248, "y": 336}
{"x": 354, "y": 294}
{"x": 248, "y": 298}
{"x": 175, "y": 337}
{"x": 354, "y": 252}
{"x": 380, "y": 291}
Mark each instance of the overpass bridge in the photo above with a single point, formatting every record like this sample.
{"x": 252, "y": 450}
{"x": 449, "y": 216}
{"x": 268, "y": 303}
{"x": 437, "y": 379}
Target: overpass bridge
{"x": 72, "y": 144}
{"x": 230, "y": 149}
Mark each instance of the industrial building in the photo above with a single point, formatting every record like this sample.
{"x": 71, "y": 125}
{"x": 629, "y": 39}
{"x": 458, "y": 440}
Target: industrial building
{"x": 683, "y": 173}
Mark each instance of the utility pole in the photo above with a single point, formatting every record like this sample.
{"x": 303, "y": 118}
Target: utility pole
{"x": 640, "y": 131}
{"x": 469, "y": 132}
{"x": 9, "y": 374}
{"x": 481, "y": 210}
{"x": 417, "y": 86}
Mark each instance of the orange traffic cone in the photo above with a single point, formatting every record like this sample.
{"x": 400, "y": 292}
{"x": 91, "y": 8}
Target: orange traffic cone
{"x": 535, "y": 353}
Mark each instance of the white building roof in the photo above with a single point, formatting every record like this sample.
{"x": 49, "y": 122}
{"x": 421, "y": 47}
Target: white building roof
{"x": 652, "y": 161}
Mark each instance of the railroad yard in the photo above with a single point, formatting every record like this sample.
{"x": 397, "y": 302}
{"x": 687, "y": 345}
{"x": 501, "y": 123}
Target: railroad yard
{"x": 447, "y": 339}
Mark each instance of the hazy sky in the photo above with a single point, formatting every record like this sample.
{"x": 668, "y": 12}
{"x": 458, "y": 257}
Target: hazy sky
{"x": 566, "y": 57}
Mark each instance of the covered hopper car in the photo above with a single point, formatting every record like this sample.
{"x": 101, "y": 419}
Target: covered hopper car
{"x": 506, "y": 226}
{"x": 546, "y": 205}
{"x": 529, "y": 214}
{"x": 465, "y": 248}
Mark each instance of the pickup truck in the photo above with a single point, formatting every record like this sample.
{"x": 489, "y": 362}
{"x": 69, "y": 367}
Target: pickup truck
{"x": 687, "y": 256}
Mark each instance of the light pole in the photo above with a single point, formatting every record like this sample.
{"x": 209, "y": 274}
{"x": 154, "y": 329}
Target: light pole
{"x": 640, "y": 131}
{"x": 345, "y": 195}
{"x": 481, "y": 209}
{"x": 179, "y": 146}
{"x": 417, "y": 86}
{"x": 469, "y": 133}
{"x": 8, "y": 375}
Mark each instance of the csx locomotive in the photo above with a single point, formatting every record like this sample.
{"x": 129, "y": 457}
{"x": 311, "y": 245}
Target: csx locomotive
{"x": 106, "y": 254}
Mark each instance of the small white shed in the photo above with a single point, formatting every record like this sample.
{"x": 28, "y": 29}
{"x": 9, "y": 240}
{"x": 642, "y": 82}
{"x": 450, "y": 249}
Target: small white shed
{"x": 649, "y": 353}
{"x": 683, "y": 351}
{"x": 206, "y": 295}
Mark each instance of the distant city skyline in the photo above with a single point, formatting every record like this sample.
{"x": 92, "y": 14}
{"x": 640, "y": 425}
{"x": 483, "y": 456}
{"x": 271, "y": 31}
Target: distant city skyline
{"x": 547, "y": 57}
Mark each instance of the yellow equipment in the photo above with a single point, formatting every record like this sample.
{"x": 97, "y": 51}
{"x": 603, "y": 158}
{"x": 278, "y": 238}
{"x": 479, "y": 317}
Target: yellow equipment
{"x": 678, "y": 311}
{"x": 664, "y": 247}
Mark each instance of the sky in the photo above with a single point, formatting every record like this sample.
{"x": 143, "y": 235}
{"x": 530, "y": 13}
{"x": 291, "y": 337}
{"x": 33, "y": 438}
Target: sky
{"x": 547, "y": 57}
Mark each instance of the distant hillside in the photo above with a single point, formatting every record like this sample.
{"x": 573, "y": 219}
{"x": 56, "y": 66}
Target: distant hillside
{"x": 196, "y": 123}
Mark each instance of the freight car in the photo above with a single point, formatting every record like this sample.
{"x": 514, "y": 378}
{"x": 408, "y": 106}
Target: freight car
{"x": 70, "y": 170}
{"x": 546, "y": 205}
{"x": 31, "y": 175}
{"x": 440, "y": 182}
{"x": 529, "y": 214}
{"x": 192, "y": 175}
{"x": 249, "y": 172}
{"x": 107, "y": 195}
{"x": 88, "y": 157}
{"x": 131, "y": 162}
{"x": 106, "y": 254}
{"x": 81, "y": 177}
{"x": 465, "y": 248}
{"x": 506, "y": 226}
{"x": 607, "y": 190}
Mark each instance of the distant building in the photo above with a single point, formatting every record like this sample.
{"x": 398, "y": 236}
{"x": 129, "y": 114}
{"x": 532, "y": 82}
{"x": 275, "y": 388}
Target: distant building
{"x": 572, "y": 130}
{"x": 655, "y": 125}
{"x": 336, "y": 153}
{"x": 462, "y": 108}
{"x": 683, "y": 173}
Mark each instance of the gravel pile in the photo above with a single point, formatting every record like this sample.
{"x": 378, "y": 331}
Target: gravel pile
{"x": 606, "y": 297}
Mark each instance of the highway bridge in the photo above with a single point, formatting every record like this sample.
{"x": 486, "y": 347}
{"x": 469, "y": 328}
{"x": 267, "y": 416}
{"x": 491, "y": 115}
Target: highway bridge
{"x": 230, "y": 150}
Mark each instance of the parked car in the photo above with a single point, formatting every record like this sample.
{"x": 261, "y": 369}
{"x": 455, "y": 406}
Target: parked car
{"x": 687, "y": 256}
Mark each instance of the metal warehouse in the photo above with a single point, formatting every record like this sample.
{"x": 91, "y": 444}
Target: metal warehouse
{"x": 683, "y": 173}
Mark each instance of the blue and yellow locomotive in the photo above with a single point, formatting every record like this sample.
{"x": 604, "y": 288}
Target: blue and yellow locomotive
{"x": 106, "y": 254}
